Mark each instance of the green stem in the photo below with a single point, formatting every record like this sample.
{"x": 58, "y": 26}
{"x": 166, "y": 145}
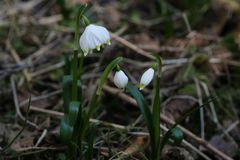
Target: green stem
{"x": 156, "y": 113}
{"x": 75, "y": 55}
{"x": 81, "y": 62}
{"x": 77, "y": 30}
{"x": 74, "y": 72}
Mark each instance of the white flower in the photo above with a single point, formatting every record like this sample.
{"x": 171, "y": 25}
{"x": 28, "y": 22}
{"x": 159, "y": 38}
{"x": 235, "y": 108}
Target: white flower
{"x": 94, "y": 37}
{"x": 120, "y": 79}
{"x": 146, "y": 78}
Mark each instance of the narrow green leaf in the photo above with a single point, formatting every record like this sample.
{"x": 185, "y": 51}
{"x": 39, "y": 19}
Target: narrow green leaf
{"x": 156, "y": 111}
{"x": 74, "y": 75}
{"x": 90, "y": 139}
{"x": 67, "y": 65}
{"x": 67, "y": 80}
{"x": 133, "y": 90}
{"x": 66, "y": 130}
{"x": 74, "y": 109}
{"x": 69, "y": 122}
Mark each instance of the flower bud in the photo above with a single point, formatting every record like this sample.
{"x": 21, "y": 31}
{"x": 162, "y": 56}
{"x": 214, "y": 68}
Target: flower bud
{"x": 120, "y": 79}
{"x": 146, "y": 78}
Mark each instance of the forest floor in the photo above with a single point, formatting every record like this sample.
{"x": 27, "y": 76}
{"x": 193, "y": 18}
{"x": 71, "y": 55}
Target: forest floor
{"x": 197, "y": 40}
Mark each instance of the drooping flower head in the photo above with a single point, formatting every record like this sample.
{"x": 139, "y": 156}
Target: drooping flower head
{"x": 146, "y": 78}
{"x": 94, "y": 37}
{"x": 120, "y": 79}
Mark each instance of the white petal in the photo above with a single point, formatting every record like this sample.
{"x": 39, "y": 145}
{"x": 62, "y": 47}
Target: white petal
{"x": 146, "y": 78}
{"x": 93, "y": 37}
{"x": 120, "y": 79}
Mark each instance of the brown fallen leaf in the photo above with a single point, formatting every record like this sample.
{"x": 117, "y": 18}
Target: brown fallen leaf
{"x": 138, "y": 144}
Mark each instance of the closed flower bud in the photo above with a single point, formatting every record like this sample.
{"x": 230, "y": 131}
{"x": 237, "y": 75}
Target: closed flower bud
{"x": 94, "y": 37}
{"x": 120, "y": 79}
{"x": 146, "y": 78}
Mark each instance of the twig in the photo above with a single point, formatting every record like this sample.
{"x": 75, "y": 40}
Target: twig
{"x": 17, "y": 105}
{"x": 44, "y": 133}
{"x": 54, "y": 93}
{"x": 132, "y": 46}
{"x": 185, "y": 18}
{"x": 17, "y": 60}
{"x": 200, "y": 101}
{"x": 211, "y": 104}
{"x": 38, "y": 148}
{"x": 48, "y": 69}
{"x": 232, "y": 126}
{"x": 46, "y": 111}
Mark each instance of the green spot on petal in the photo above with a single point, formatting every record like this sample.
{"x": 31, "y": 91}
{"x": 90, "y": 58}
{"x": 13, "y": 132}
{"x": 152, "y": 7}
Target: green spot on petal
{"x": 98, "y": 48}
{"x": 141, "y": 86}
{"x": 108, "y": 42}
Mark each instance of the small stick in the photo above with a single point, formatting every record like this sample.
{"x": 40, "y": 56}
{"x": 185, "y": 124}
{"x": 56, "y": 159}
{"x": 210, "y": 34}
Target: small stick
{"x": 17, "y": 105}
{"x": 211, "y": 104}
{"x": 200, "y": 101}
{"x": 17, "y": 60}
{"x": 185, "y": 18}
{"x": 45, "y": 96}
{"x": 131, "y": 46}
{"x": 44, "y": 133}
{"x": 38, "y": 148}
{"x": 48, "y": 69}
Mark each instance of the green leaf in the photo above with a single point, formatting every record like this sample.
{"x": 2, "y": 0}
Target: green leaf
{"x": 69, "y": 122}
{"x": 67, "y": 80}
{"x": 156, "y": 111}
{"x": 66, "y": 130}
{"x": 74, "y": 109}
{"x": 90, "y": 139}
{"x": 133, "y": 90}
{"x": 67, "y": 65}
